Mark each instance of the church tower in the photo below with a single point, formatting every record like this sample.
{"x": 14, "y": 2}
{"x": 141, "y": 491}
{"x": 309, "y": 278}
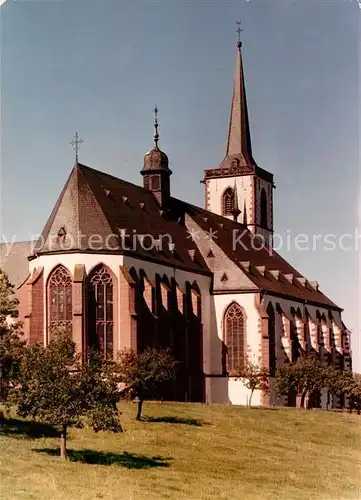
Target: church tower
{"x": 238, "y": 188}
{"x": 156, "y": 173}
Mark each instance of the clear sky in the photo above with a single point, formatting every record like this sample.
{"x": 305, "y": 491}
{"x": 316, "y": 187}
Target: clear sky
{"x": 99, "y": 66}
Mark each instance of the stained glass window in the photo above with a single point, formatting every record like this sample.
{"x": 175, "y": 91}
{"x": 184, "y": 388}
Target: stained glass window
{"x": 234, "y": 337}
{"x": 100, "y": 305}
{"x": 60, "y": 299}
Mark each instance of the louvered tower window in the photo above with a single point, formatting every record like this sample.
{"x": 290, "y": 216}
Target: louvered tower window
{"x": 60, "y": 300}
{"x": 100, "y": 307}
{"x": 264, "y": 209}
{"x": 234, "y": 325}
{"x": 228, "y": 201}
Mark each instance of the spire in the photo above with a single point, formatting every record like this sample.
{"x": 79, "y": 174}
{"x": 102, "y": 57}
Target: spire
{"x": 156, "y": 134}
{"x": 239, "y": 137}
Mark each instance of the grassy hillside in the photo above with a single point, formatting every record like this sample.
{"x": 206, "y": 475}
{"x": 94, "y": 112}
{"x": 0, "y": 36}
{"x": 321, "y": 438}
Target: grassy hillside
{"x": 190, "y": 452}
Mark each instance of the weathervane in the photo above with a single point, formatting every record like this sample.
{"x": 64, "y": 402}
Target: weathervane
{"x": 239, "y": 30}
{"x": 76, "y": 142}
{"x": 156, "y": 135}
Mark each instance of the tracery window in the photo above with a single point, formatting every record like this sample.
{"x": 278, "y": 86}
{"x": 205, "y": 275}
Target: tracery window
{"x": 101, "y": 316}
{"x": 60, "y": 300}
{"x": 234, "y": 326}
{"x": 227, "y": 201}
{"x": 295, "y": 344}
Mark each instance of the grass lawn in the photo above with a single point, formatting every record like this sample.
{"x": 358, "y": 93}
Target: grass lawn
{"x": 190, "y": 452}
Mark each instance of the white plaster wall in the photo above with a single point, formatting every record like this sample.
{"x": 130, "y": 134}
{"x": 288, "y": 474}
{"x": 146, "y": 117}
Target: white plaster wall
{"x": 49, "y": 262}
{"x": 286, "y": 306}
{"x": 267, "y": 186}
{"x": 217, "y": 187}
{"x": 229, "y": 390}
{"x": 181, "y": 277}
{"x": 244, "y": 184}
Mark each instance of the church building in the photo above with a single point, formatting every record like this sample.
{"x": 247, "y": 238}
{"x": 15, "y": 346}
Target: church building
{"x": 121, "y": 265}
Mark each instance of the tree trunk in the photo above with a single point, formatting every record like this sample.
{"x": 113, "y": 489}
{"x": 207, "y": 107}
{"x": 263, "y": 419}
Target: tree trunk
{"x": 63, "y": 433}
{"x": 250, "y": 398}
{"x": 302, "y": 399}
{"x": 139, "y": 412}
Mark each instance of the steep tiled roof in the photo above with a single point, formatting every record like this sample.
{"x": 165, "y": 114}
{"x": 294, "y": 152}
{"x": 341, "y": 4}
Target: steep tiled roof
{"x": 95, "y": 209}
{"x": 95, "y": 203}
{"x": 262, "y": 265}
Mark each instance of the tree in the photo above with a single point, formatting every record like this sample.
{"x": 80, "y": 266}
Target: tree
{"x": 351, "y": 387}
{"x": 337, "y": 381}
{"x": 11, "y": 344}
{"x": 142, "y": 372}
{"x": 354, "y": 393}
{"x": 57, "y": 389}
{"x": 254, "y": 378}
{"x": 8, "y": 300}
{"x": 307, "y": 376}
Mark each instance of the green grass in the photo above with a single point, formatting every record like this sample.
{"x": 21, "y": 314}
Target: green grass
{"x": 190, "y": 452}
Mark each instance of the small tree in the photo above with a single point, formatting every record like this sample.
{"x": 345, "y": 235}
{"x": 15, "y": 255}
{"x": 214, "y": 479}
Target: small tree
{"x": 8, "y": 300}
{"x": 307, "y": 376}
{"x": 56, "y": 388}
{"x": 11, "y": 345}
{"x": 142, "y": 373}
{"x": 337, "y": 382}
{"x": 254, "y": 378}
{"x": 352, "y": 389}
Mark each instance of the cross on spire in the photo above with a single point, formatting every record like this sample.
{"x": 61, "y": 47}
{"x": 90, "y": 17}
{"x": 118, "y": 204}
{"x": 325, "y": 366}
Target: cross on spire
{"x": 239, "y": 31}
{"x": 156, "y": 134}
{"x": 76, "y": 142}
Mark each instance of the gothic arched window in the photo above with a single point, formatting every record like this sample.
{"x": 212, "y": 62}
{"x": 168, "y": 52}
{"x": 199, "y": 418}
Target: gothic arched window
{"x": 295, "y": 344}
{"x": 227, "y": 201}
{"x": 264, "y": 209}
{"x": 100, "y": 307}
{"x": 272, "y": 339}
{"x": 60, "y": 311}
{"x": 234, "y": 327}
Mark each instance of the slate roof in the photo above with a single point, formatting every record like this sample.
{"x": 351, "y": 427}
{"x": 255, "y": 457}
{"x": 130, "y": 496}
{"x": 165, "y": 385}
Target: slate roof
{"x": 262, "y": 265}
{"x": 95, "y": 203}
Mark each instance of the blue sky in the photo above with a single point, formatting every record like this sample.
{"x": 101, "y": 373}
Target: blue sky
{"x": 99, "y": 66}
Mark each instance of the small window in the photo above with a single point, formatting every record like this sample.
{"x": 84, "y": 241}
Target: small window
{"x": 155, "y": 182}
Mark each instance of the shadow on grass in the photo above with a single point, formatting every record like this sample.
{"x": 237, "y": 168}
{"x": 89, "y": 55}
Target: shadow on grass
{"x": 25, "y": 428}
{"x": 263, "y": 409}
{"x": 125, "y": 459}
{"x": 176, "y": 420}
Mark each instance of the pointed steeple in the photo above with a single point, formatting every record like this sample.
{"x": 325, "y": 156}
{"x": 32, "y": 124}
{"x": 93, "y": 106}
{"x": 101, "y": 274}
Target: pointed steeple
{"x": 239, "y": 137}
